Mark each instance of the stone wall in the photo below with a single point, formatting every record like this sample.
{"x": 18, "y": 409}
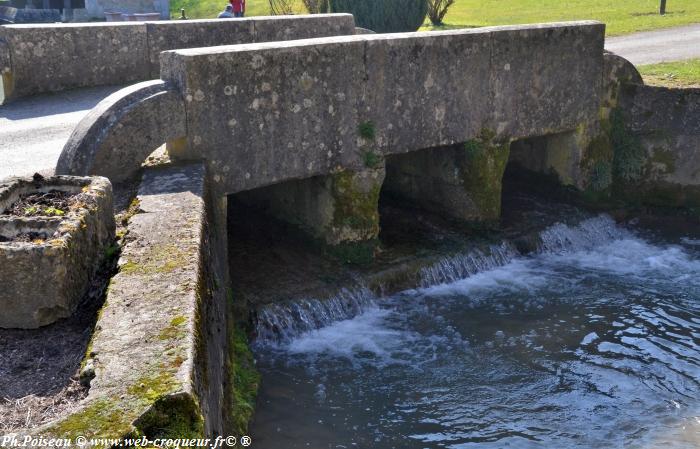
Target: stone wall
{"x": 158, "y": 360}
{"x": 296, "y": 110}
{"x": 50, "y": 58}
{"x": 656, "y": 142}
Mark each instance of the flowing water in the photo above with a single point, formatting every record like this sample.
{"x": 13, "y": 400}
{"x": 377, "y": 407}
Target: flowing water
{"x": 591, "y": 342}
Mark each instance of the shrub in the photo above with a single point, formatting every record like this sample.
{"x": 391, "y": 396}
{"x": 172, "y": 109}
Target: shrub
{"x": 316, "y": 6}
{"x": 384, "y": 16}
{"x": 437, "y": 10}
{"x": 281, "y": 7}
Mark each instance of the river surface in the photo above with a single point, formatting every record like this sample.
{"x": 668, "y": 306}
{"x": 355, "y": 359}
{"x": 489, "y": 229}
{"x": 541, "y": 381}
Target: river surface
{"x": 591, "y": 342}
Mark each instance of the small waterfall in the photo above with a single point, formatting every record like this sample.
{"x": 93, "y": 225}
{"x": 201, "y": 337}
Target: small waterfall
{"x": 453, "y": 268}
{"x": 586, "y": 235}
{"x": 284, "y": 321}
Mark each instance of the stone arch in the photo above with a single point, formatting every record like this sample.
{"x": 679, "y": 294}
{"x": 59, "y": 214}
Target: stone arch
{"x": 116, "y": 137}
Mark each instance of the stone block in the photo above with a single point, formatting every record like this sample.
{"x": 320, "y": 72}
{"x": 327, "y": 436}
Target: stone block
{"x": 293, "y": 103}
{"x": 169, "y": 35}
{"x": 545, "y": 78}
{"x": 48, "y": 58}
{"x": 48, "y": 259}
{"x": 426, "y": 90}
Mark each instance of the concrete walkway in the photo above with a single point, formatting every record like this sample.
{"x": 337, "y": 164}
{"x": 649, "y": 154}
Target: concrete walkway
{"x": 651, "y": 47}
{"x": 33, "y": 130}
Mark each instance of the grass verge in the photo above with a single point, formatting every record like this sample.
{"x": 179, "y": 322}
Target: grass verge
{"x": 672, "y": 74}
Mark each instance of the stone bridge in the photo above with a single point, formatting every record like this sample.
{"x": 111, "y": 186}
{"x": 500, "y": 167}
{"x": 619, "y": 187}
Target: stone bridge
{"x": 430, "y": 115}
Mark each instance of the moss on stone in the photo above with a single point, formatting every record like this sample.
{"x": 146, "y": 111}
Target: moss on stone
{"x": 162, "y": 259}
{"x": 367, "y": 130}
{"x": 355, "y": 253}
{"x": 245, "y": 380}
{"x": 665, "y": 158}
{"x": 174, "y": 330}
{"x": 354, "y": 207}
{"x": 102, "y": 418}
{"x": 630, "y": 158}
{"x": 172, "y": 417}
{"x": 482, "y": 174}
{"x": 372, "y": 159}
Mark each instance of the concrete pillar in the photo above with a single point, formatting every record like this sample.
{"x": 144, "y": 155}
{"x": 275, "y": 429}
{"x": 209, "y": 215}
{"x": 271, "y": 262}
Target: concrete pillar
{"x": 460, "y": 181}
{"x": 339, "y": 210}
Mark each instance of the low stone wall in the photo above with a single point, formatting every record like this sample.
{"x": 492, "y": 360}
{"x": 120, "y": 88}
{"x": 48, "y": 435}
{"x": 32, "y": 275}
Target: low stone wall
{"x": 656, "y": 137}
{"x": 298, "y": 109}
{"x": 49, "y": 58}
{"x": 158, "y": 360}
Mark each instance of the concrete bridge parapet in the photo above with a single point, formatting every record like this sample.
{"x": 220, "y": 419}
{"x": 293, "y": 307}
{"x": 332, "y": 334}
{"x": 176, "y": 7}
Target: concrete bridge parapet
{"x": 337, "y": 107}
{"x": 54, "y": 57}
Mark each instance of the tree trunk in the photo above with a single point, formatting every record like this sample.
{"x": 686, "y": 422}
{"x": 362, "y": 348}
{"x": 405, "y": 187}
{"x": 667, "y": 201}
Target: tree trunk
{"x": 662, "y": 8}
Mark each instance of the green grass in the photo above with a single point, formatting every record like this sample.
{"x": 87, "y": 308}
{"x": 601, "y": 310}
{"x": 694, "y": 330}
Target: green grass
{"x": 672, "y": 74}
{"x": 621, "y": 16}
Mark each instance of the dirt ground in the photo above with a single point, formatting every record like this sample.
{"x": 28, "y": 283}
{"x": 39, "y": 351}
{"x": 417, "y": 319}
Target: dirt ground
{"x": 39, "y": 368}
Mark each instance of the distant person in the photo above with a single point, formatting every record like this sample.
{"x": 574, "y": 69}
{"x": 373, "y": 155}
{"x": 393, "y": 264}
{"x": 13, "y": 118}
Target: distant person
{"x": 227, "y": 13}
{"x": 238, "y": 7}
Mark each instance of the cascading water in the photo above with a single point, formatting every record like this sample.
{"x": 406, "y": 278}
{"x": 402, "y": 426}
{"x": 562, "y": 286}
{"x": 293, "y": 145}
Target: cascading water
{"x": 591, "y": 341}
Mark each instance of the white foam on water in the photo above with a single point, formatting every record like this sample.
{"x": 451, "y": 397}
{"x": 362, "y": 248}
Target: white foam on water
{"x": 367, "y": 334}
{"x": 518, "y": 275}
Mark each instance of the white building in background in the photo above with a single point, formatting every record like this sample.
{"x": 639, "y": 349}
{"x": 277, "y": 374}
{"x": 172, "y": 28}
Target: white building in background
{"x": 83, "y": 10}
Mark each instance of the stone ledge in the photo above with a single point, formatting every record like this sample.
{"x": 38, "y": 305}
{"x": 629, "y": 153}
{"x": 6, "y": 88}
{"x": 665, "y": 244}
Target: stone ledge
{"x": 145, "y": 357}
{"x": 117, "y": 53}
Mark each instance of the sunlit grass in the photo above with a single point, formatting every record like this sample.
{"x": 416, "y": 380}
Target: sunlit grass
{"x": 672, "y": 74}
{"x": 621, "y": 16}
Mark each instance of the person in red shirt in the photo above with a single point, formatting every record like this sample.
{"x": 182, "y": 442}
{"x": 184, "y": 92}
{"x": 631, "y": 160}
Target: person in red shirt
{"x": 238, "y": 7}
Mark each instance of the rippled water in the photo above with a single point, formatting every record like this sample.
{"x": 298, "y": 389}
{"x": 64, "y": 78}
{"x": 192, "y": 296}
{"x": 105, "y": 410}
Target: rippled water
{"x": 591, "y": 343}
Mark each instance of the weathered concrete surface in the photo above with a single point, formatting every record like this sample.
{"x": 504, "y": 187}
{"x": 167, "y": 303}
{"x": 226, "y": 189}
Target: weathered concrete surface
{"x": 49, "y": 58}
{"x": 651, "y": 47}
{"x": 463, "y": 181}
{"x": 656, "y": 139}
{"x": 339, "y": 210}
{"x": 175, "y": 34}
{"x": 131, "y": 124}
{"x": 582, "y": 157}
{"x": 33, "y": 131}
{"x": 159, "y": 353}
{"x": 45, "y": 279}
{"x": 294, "y": 110}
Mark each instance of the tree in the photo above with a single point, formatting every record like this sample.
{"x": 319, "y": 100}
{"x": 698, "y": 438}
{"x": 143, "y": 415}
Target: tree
{"x": 316, "y": 6}
{"x": 281, "y": 7}
{"x": 437, "y": 10}
{"x": 662, "y": 8}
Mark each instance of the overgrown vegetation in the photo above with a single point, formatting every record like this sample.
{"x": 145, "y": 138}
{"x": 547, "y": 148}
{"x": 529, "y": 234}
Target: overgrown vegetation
{"x": 245, "y": 380}
{"x": 672, "y": 74}
{"x": 437, "y": 9}
{"x": 384, "y": 16}
{"x": 281, "y": 7}
{"x": 317, "y": 6}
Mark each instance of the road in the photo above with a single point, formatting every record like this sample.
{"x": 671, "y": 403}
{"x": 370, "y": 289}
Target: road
{"x": 33, "y": 130}
{"x": 651, "y": 47}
